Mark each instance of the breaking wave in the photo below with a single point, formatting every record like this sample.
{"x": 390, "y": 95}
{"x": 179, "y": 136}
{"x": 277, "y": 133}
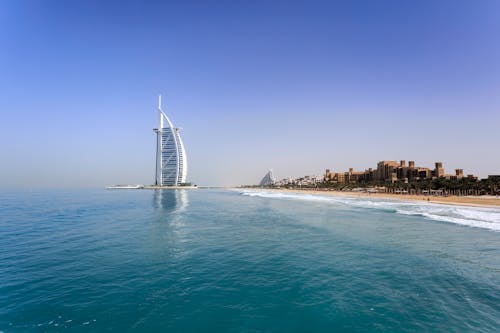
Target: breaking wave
{"x": 487, "y": 218}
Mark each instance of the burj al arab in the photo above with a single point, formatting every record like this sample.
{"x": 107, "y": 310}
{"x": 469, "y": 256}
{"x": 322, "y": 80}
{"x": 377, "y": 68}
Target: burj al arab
{"x": 171, "y": 161}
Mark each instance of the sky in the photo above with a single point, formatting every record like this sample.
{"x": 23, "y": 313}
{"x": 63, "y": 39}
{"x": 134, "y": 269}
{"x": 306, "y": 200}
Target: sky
{"x": 293, "y": 86}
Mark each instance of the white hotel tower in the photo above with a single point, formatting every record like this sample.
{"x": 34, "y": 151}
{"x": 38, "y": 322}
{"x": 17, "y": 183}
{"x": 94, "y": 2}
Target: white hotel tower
{"x": 171, "y": 162}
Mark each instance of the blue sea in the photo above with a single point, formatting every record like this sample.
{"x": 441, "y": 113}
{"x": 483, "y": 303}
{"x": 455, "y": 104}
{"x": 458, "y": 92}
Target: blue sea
{"x": 244, "y": 261}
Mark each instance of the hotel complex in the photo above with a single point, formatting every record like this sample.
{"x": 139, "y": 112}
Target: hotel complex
{"x": 393, "y": 177}
{"x": 392, "y": 171}
{"x": 171, "y": 162}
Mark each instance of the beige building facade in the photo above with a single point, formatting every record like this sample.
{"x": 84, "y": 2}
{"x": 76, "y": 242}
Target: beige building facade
{"x": 392, "y": 171}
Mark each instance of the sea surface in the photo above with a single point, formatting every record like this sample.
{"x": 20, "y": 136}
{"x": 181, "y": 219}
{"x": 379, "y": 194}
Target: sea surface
{"x": 244, "y": 261}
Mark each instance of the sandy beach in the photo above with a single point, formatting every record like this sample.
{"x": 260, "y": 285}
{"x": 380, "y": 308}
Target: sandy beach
{"x": 476, "y": 201}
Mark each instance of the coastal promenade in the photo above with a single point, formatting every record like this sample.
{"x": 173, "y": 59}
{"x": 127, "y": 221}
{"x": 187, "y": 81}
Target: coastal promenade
{"x": 476, "y": 201}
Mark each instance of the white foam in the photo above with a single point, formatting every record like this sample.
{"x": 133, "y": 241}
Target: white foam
{"x": 487, "y": 218}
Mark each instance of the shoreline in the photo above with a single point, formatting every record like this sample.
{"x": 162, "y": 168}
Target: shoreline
{"x": 472, "y": 201}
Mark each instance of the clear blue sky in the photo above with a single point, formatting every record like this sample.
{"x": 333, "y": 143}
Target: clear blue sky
{"x": 297, "y": 86}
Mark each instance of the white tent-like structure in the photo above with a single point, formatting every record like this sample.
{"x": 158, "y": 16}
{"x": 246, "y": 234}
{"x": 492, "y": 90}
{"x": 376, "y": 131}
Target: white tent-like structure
{"x": 171, "y": 161}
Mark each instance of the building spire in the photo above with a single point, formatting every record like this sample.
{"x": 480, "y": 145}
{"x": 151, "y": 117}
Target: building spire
{"x": 159, "y": 101}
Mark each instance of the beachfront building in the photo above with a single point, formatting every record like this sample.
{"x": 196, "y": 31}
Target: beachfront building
{"x": 171, "y": 161}
{"x": 268, "y": 179}
{"x": 438, "y": 170}
{"x": 306, "y": 181}
{"x": 386, "y": 171}
{"x": 391, "y": 172}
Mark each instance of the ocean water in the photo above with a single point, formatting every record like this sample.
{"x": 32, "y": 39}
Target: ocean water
{"x": 244, "y": 261}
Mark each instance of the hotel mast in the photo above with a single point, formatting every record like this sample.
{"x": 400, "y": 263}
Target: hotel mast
{"x": 171, "y": 162}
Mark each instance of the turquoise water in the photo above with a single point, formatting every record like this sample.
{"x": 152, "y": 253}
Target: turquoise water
{"x": 232, "y": 261}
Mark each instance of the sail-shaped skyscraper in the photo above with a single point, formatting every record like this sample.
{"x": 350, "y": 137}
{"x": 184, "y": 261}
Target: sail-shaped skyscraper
{"x": 171, "y": 161}
{"x": 268, "y": 179}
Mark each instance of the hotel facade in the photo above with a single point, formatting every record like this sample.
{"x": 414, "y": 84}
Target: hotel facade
{"x": 392, "y": 171}
{"x": 171, "y": 159}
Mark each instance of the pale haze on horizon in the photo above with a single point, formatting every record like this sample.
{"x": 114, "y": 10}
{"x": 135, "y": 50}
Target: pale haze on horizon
{"x": 298, "y": 87}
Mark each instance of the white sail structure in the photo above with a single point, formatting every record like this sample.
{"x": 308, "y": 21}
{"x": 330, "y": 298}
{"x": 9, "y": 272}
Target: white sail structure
{"x": 268, "y": 179}
{"x": 171, "y": 159}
